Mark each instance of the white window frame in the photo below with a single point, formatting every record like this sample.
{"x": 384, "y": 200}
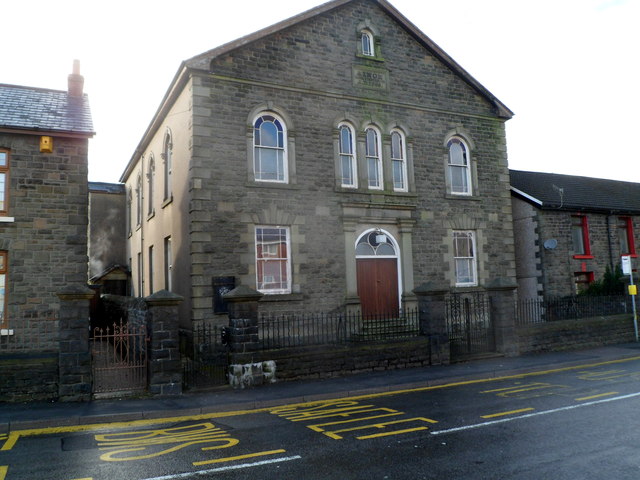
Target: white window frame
{"x": 260, "y": 282}
{"x": 373, "y": 159}
{"x": 168, "y": 265}
{"x": 465, "y": 167}
{"x": 151, "y": 179}
{"x": 167, "y": 157}
{"x": 283, "y": 161}
{"x": 470, "y": 260}
{"x": 367, "y": 44}
{"x": 401, "y": 159}
{"x": 348, "y": 156}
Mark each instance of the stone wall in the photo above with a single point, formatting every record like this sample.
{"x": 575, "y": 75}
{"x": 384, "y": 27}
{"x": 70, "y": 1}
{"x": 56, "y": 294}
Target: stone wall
{"x": 28, "y": 377}
{"x": 576, "y": 334}
{"x": 334, "y": 361}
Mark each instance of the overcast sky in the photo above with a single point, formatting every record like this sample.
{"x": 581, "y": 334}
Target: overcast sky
{"x": 569, "y": 69}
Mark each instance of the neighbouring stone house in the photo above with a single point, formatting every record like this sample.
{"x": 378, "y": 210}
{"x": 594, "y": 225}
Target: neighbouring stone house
{"x": 44, "y": 138}
{"x": 334, "y": 160}
{"x": 568, "y": 229}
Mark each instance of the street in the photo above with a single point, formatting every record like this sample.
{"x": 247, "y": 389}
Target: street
{"x": 571, "y": 423}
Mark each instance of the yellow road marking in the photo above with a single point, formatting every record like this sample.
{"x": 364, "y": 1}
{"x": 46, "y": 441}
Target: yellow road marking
{"x": 383, "y": 425}
{"x": 596, "y": 396}
{"x": 239, "y": 457}
{"x": 503, "y": 414}
{"x": 3, "y": 471}
{"x": 387, "y": 434}
{"x": 14, "y": 436}
{"x": 317, "y": 427}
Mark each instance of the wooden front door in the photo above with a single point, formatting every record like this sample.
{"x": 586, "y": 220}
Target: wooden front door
{"x": 378, "y": 286}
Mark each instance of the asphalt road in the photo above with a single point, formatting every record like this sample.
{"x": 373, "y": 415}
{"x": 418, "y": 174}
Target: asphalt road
{"x": 580, "y": 423}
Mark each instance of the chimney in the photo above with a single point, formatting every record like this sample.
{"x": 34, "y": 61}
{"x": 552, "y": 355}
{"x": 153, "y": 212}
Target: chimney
{"x": 75, "y": 81}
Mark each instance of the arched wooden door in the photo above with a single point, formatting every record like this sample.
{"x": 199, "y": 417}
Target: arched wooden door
{"x": 377, "y": 274}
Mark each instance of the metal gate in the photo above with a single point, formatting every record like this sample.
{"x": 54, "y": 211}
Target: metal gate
{"x": 119, "y": 359}
{"x": 469, "y": 324}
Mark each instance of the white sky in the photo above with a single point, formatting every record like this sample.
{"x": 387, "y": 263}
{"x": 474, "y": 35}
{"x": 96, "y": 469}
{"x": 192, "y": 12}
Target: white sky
{"x": 569, "y": 69}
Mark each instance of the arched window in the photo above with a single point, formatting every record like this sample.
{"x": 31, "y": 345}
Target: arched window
{"x": 375, "y": 244}
{"x": 139, "y": 200}
{"x": 269, "y": 149}
{"x": 366, "y": 38}
{"x": 348, "y": 167}
{"x": 151, "y": 179}
{"x": 167, "y": 154}
{"x": 399, "y": 161}
{"x": 374, "y": 161}
{"x": 129, "y": 216}
{"x": 459, "y": 167}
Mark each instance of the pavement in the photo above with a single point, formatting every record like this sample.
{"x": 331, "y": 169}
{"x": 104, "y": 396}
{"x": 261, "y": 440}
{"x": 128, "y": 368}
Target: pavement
{"x": 36, "y": 415}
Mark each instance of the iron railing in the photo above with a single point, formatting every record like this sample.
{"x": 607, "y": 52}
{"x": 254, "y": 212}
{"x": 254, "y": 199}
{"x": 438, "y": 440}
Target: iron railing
{"x": 204, "y": 357}
{"x": 469, "y": 323}
{"x": 533, "y": 311}
{"x": 306, "y": 329}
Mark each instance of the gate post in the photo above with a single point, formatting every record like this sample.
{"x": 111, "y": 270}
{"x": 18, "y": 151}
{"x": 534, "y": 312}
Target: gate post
{"x": 242, "y": 302}
{"x": 433, "y": 322}
{"x": 74, "y": 357}
{"x": 502, "y": 299}
{"x": 165, "y": 364}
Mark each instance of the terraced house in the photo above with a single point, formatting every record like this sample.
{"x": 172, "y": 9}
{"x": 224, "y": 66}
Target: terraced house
{"x": 335, "y": 160}
{"x": 44, "y": 138}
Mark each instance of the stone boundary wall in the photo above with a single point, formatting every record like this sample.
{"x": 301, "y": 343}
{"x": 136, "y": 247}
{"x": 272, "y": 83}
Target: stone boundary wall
{"x": 576, "y": 334}
{"x": 334, "y": 361}
{"x": 28, "y": 377}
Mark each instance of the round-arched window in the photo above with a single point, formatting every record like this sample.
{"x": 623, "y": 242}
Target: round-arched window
{"x": 375, "y": 244}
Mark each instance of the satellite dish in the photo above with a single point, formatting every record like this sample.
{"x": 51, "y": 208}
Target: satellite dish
{"x": 550, "y": 244}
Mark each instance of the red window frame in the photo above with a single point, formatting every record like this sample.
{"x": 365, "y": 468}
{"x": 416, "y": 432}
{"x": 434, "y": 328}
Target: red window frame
{"x": 4, "y": 267}
{"x": 628, "y": 227}
{"x": 586, "y": 244}
{"x": 4, "y": 170}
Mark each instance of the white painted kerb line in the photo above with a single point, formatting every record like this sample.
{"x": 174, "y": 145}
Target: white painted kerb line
{"x": 223, "y": 469}
{"x": 535, "y": 414}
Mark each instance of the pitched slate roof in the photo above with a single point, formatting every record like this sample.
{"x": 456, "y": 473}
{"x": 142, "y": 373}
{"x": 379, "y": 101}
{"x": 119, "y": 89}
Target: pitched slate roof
{"x": 43, "y": 110}
{"x": 569, "y": 192}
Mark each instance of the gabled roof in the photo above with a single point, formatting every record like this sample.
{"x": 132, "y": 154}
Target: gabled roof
{"x": 553, "y": 191}
{"x": 42, "y": 110}
{"x": 202, "y": 61}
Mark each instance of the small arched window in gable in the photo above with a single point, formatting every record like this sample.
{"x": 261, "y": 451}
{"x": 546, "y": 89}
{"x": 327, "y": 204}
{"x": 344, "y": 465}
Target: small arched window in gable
{"x": 269, "y": 153}
{"x": 368, "y": 46}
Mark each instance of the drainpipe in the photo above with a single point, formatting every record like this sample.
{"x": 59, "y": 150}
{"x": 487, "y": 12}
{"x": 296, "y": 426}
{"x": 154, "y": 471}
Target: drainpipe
{"x": 609, "y": 242}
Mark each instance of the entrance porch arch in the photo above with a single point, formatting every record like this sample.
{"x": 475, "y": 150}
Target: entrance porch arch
{"x": 378, "y": 273}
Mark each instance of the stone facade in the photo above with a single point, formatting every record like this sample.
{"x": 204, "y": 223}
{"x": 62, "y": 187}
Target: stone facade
{"x": 43, "y": 226}
{"x": 310, "y": 72}
{"x": 557, "y": 270}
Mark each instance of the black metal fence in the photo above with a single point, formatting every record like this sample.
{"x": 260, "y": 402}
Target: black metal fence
{"x": 537, "y": 310}
{"x": 469, "y": 323}
{"x": 204, "y": 357}
{"x": 296, "y": 330}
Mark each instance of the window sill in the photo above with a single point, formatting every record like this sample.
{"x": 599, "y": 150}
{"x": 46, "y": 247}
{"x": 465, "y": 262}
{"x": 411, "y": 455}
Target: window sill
{"x": 167, "y": 201}
{"x": 370, "y": 57}
{"x": 151, "y": 215}
{"x": 283, "y": 186}
{"x": 632, "y": 255}
{"x": 282, "y": 297}
{"x": 583, "y": 257}
{"x": 7, "y": 219}
{"x": 453, "y": 196}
